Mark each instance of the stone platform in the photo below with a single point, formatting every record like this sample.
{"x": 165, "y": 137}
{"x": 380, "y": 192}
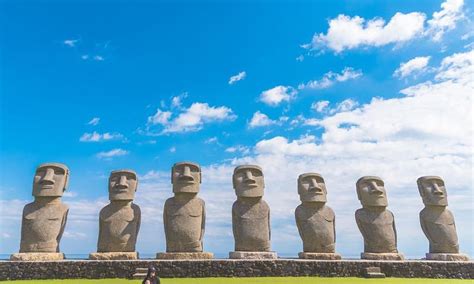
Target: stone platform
{"x": 113, "y": 255}
{"x": 253, "y": 255}
{"x": 94, "y": 269}
{"x": 447, "y": 256}
{"x": 381, "y": 256}
{"x": 322, "y": 256}
{"x": 37, "y": 256}
{"x": 185, "y": 255}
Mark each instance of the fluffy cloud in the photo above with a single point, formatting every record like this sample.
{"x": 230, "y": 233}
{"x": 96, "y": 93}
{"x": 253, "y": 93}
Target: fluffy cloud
{"x": 237, "y": 77}
{"x": 320, "y": 106}
{"x": 70, "y": 42}
{"x": 331, "y": 78}
{"x": 97, "y": 137}
{"x": 345, "y": 32}
{"x": 190, "y": 119}
{"x": 107, "y": 155}
{"x": 416, "y": 64}
{"x": 445, "y": 19}
{"x": 278, "y": 94}
{"x": 94, "y": 121}
{"x": 260, "y": 119}
{"x": 176, "y": 101}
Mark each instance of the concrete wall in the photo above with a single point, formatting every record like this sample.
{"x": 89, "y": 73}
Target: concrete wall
{"x": 231, "y": 268}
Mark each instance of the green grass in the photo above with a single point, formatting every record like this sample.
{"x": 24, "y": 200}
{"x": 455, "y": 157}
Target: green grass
{"x": 258, "y": 280}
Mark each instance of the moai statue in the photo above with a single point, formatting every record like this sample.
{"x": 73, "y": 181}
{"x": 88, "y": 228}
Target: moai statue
{"x": 119, "y": 221}
{"x": 250, "y": 215}
{"x": 437, "y": 221}
{"x": 184, "y": 215}
{"x": 44, "y": 219}
{"x": 315, "y": 220}
{"x": 375, "y": 222}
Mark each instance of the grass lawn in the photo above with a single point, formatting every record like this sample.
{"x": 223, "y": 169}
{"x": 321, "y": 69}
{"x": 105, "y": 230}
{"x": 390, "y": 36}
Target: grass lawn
{"x": 299, "y": 280}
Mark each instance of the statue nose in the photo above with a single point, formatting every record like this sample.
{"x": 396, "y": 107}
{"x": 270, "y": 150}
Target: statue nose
{"x": 248, "y": 178}
{"x": 436, "y": 189}
{"x": 122, "y": 182}
{"x": 314, "y": 186}
{"x": 375, "y": 188}
{"x": 48, "y": 177}
{"x": 186, "y": 175}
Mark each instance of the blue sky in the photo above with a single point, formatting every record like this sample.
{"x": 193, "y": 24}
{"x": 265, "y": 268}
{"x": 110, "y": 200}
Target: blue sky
{"x": 344, "y": 89}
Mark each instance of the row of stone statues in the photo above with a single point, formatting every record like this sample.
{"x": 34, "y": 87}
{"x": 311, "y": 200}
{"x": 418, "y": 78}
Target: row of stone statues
{"x": 184, "y": 217}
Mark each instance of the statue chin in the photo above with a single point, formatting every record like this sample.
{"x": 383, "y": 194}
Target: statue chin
{"x": 375, "y": 203}
{"x": 313, "y": 198}
{"x": 254, "y": 192}
{"x": 439, "y": 202}
{"x": 192, "y": 188}
{"x": 118, "y": 197}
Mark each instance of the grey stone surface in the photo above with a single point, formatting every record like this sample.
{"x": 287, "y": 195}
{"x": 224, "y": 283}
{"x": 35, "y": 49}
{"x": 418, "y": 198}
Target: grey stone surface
{"x": 250, "y": 213}
{"x": 447, "y": 256}
{"x": 185, "y": 255}
{"x": 253, "y": 255}
{"x": 375, "y": 222}
{"x": 113, "y": 255}
{"x": 37, "y": 256}
{"x": 119, "y": 221}
{"x": 44, "y": 219}
{"x": 382, "y": 256}
{"x": 184, "y": 215}
{"x": 90, "y": 269}
{"x": 320, "y": 255}
{"x": 437, "y": 222}
{"x": 315, "y": 220}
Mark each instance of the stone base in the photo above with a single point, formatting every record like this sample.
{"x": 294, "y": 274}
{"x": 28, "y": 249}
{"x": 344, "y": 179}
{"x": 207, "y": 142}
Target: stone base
{"x": 447, "y": 256}
{"x": 185, "y": 255}
{"x": 113, "y": 255}
{"x": 319, "y": 255}
{"x": 253, "y": 255}
{"x": 37, "y": 256}
{"x": 382, "y": 256}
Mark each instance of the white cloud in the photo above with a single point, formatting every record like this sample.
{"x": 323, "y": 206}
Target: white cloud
{"x": 260, "y": 119}
{"x": 191, "y": 119}
{"x": 320, "y": 106}
{"x": 239, "y": 148}
{"x": 237, "y": 77}
{"x": 345, "y": 105}
{"x": 212, "y": 140}
{"x": 278, "y": 94}
{"x": 85, "y": 56}
{"x": 112, "y": 153}
{"x": 94, "y": 121}
{"x": 70, "y": 42}
{"x": 348, "y": 73}
{"x": 97, "y": 137}
{"x": 417, "y": 64}
{"x": 160, "y": 117}
{"x": 300, "y": 58}
{"x": 173, "y": 149}
{"x": 177, "y": 101}
{"x": 445, "y": 19}
{"x": 347, "y": 32}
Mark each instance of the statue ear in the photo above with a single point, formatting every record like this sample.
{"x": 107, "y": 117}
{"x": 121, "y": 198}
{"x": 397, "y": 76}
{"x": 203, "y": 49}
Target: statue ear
{"x": 358, "y": 192}
{"x": 172, "y": 169}
{"x": 233, "y": 180}
{"x": 200, "y": 176}
{"x": 66, "y": 180}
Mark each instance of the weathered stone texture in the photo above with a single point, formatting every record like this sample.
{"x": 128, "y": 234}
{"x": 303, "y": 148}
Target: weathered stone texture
{"x": 89, "y": 269}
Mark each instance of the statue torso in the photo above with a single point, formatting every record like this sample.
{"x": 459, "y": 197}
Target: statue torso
{"x": 439, "y": 228}
{"x": 41, "y": 227}
{"x": 119, "y": 228}
{"x": 251, "y": 228}
{"x": 184, "y": 224}
{"x": 316, "y": 228}
{"x": 378, "y": 230}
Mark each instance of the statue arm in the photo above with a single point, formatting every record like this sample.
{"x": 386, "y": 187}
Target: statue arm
{"x": 203, "y": 222}
{"x": 425, "y": 229}
{"x": 165, "y": 223}
{"x": 269, "y": 227}
{"x": 300, "y": 231}
{"x": 139, "y": 221}
{"x": 63, "y": 226}
{"x": 334, "y": 228}
{"x": 234, "y": 221}
{"x": 99, "y": 239}
{"x": 394, "y": 229}
{"x": 361, "y": 227}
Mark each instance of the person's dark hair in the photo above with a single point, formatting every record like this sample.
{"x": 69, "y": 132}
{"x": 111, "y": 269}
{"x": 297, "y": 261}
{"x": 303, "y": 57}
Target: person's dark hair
{"x": 154, "y": 279}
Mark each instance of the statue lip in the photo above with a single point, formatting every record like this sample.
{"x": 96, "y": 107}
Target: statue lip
{"x": 47, "y": 186}
{"x": 185, "y": 182}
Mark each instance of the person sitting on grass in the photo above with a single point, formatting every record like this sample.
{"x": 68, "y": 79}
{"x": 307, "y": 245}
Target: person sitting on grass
{"x": 151, "y": 277}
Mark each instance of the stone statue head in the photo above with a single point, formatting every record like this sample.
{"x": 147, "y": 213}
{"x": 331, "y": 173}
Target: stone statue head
{"x": 371, "y": 191}
{"x": 51, "y": 180}
{"x": 122, "y": 185}
{"x": 311, "y": 188}
{"x": 432, "y": 190}
{"x": 248, "y": 181}
{"x": 186, "y": 177}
